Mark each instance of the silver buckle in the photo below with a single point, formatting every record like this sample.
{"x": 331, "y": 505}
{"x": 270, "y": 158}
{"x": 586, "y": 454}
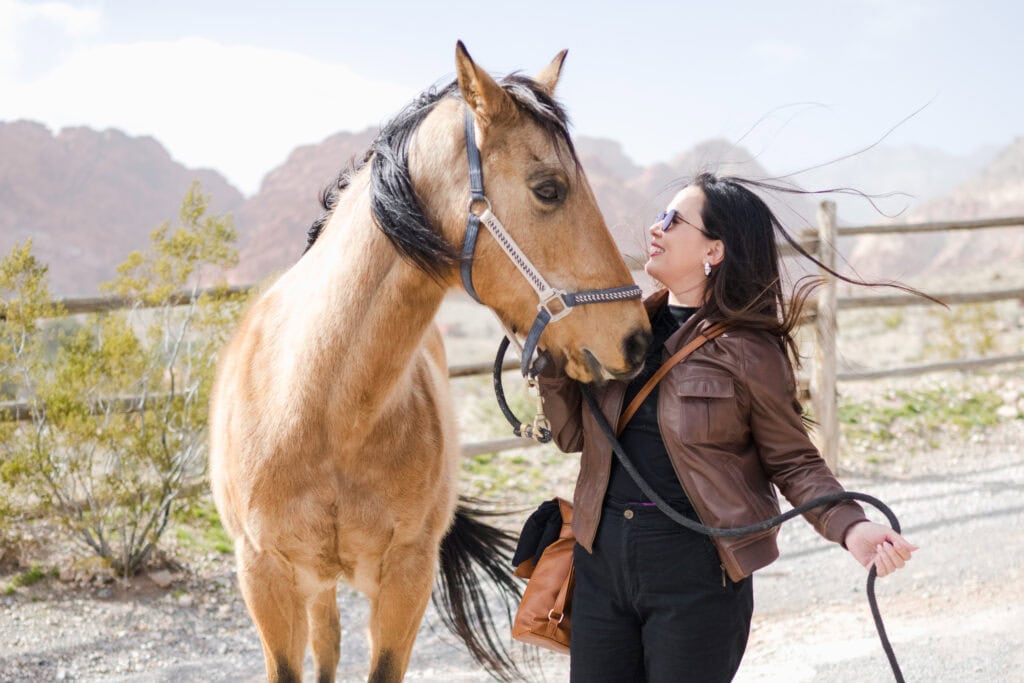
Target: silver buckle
{"x": 545, "y": 304}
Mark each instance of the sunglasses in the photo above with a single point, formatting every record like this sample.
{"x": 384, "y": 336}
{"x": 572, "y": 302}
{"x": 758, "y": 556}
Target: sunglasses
{"x": 667, "y": 219}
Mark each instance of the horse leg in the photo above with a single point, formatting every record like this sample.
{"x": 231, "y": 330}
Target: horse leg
{"x": 407, "y": 576}
{"x": 325, "y": 632}
{"x": 267, "y": 583}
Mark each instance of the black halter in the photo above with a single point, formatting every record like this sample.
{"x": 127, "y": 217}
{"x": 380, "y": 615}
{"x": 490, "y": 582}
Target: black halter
{"x": 563, "y": 301}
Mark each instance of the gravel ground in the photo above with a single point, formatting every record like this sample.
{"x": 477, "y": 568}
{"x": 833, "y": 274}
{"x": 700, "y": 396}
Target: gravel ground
{"x": 954, "y": 614}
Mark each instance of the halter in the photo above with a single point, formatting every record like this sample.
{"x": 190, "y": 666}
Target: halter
{"x": 554, "y": 304}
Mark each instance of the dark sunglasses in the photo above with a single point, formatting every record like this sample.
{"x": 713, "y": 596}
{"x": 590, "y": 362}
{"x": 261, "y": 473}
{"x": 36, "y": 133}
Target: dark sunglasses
{"x": 668, "y": 219}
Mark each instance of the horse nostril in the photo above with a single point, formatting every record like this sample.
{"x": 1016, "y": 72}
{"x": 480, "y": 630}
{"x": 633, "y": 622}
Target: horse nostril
{"x": 634, "y": 347}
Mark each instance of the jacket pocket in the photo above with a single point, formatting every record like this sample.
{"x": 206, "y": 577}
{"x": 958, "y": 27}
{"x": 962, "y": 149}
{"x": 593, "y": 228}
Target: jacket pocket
{"x": 709, "y": 409}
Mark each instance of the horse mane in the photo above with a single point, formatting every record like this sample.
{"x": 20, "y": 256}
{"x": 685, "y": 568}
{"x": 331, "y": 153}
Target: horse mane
{"x": 396, "y": 209}
{"x": 329, "y": 198}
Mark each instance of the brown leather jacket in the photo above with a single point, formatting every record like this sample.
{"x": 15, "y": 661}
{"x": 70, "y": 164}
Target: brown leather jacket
{"x": 731, "y": 424}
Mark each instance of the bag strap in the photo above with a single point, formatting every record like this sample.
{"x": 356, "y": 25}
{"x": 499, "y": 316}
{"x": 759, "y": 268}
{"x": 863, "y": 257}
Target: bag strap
{"x": 557, "y": 613}
{"x": 678, "y": 357}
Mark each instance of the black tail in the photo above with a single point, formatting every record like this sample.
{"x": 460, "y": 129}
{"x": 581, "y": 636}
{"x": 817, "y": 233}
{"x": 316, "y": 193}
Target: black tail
{"x": 475, "y": 556}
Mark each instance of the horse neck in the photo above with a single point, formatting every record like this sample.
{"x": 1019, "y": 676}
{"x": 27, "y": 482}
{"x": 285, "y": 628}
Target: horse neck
{"x": 360, "y": 309}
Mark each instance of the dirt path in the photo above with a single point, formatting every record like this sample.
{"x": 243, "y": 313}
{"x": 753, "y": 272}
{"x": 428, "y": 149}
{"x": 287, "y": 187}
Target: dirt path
{"x": 954, "y": 614}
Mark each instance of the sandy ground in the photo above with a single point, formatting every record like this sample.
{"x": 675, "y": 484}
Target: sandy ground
{"x": 954, "y": 614}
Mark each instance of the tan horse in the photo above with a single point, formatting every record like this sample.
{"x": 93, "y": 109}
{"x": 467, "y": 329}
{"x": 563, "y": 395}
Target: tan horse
{"x": 334, "y": 449}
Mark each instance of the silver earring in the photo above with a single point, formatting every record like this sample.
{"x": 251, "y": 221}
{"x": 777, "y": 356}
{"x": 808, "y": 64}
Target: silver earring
{"x": 707, "y": 269}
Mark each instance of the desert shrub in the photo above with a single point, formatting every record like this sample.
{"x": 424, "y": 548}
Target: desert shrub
{"x": 116, "y": 441}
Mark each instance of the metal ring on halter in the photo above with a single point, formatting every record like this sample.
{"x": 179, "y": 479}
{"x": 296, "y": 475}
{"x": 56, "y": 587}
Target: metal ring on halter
{"x": 474, "y": 200}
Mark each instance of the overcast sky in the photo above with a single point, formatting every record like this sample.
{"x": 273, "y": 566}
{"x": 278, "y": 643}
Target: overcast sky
{"x": 236, "y": 85}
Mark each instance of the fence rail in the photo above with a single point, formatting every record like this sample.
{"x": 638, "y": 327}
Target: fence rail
{"x": 821, "y": 314}
{"x": 102, "y": 304}
{"x": 886, "y": 301}
{"x": 934, "y": 226}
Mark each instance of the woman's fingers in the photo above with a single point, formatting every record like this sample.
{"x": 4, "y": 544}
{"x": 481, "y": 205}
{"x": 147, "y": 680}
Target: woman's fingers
{"x": 904, "y": 550}
{"x": 882, "y": 547}
{"x": 888, "y": 558}
{"x": 903, "y": 545}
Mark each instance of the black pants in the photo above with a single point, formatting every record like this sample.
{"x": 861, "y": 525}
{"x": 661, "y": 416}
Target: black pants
{"x": 650, "y": 604}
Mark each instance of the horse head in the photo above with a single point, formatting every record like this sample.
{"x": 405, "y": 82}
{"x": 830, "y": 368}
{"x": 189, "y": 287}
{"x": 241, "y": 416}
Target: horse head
{"x": 533, "y": 180}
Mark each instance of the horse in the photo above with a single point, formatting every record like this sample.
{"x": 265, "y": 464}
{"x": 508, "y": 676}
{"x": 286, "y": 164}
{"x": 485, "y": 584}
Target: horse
{"x": 333, "y": 443}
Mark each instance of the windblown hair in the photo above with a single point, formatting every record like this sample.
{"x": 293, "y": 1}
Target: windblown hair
{"x": 396, "y": 208}
{"x": 746, "y": 288}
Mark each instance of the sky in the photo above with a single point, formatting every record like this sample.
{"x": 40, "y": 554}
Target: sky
{"x": 235, "y": 86}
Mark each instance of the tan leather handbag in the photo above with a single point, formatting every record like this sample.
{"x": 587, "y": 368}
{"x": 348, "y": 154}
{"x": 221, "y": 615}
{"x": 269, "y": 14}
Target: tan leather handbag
{"x": 543, "y": 615}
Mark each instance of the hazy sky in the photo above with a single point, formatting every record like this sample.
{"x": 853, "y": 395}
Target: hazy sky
{"x": 236, "y": 85}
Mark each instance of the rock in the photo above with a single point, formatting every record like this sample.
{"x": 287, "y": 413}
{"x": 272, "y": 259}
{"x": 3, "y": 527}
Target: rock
{"x": 162, "y": 578}
{"x": 1007, "y": 412}
{"x": 186, "y": 600}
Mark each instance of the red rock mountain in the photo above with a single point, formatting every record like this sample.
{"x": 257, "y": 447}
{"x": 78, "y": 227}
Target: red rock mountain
{"x": 273, "y": 223}
{"x": 87, "y": 198}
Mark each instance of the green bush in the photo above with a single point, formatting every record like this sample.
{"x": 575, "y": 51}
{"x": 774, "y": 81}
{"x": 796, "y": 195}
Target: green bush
{"x": 118, "y": 406}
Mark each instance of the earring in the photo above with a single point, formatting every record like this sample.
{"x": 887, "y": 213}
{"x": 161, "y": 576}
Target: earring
{"x": 707, "y": 269}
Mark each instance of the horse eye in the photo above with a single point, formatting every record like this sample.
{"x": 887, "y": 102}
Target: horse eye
{"x": 549, "y": 192}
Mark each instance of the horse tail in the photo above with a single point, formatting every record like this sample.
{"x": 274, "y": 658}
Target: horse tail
{"x": 476, "y": 561}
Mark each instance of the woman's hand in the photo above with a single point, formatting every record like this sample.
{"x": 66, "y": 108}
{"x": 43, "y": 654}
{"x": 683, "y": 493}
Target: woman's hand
{"x": 872, "y": 543}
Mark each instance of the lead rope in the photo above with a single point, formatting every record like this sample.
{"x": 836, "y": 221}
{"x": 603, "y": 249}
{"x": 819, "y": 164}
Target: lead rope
{"x": 542, "y": 433}
{"x": 540, "y": 430}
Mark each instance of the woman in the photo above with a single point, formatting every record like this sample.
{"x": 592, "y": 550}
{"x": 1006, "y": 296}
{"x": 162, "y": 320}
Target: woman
{"x": 654, "y": 601}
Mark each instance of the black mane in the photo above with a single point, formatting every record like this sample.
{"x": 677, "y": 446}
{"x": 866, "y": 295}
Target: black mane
{"x": 329, "y": 198}
{"x": 396, "y": 209}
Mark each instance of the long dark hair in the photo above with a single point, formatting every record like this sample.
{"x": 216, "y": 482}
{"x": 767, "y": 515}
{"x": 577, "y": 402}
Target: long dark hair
{"x": 746, "y": 289}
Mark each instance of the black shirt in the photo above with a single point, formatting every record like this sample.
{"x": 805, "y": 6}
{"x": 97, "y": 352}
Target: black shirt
{"x": 641, "y": 439}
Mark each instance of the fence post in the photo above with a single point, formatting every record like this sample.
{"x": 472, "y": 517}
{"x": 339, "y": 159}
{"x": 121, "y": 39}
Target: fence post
{"x": 823, "y": 380}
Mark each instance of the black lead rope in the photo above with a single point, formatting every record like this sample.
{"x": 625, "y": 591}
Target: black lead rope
{"x": 518, "y": 428}
{"x": 544, "y": 436}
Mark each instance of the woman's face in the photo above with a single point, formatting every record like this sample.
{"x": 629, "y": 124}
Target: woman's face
{"x": 679, "y": 249}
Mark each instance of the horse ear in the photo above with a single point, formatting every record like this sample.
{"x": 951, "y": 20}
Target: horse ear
{"x": 485, "y": 97}
{"x": 548, "y": 77}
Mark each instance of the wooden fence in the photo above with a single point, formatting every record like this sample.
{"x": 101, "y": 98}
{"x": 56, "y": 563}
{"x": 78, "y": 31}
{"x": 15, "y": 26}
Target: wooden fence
{"x": 824, "y": 375}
